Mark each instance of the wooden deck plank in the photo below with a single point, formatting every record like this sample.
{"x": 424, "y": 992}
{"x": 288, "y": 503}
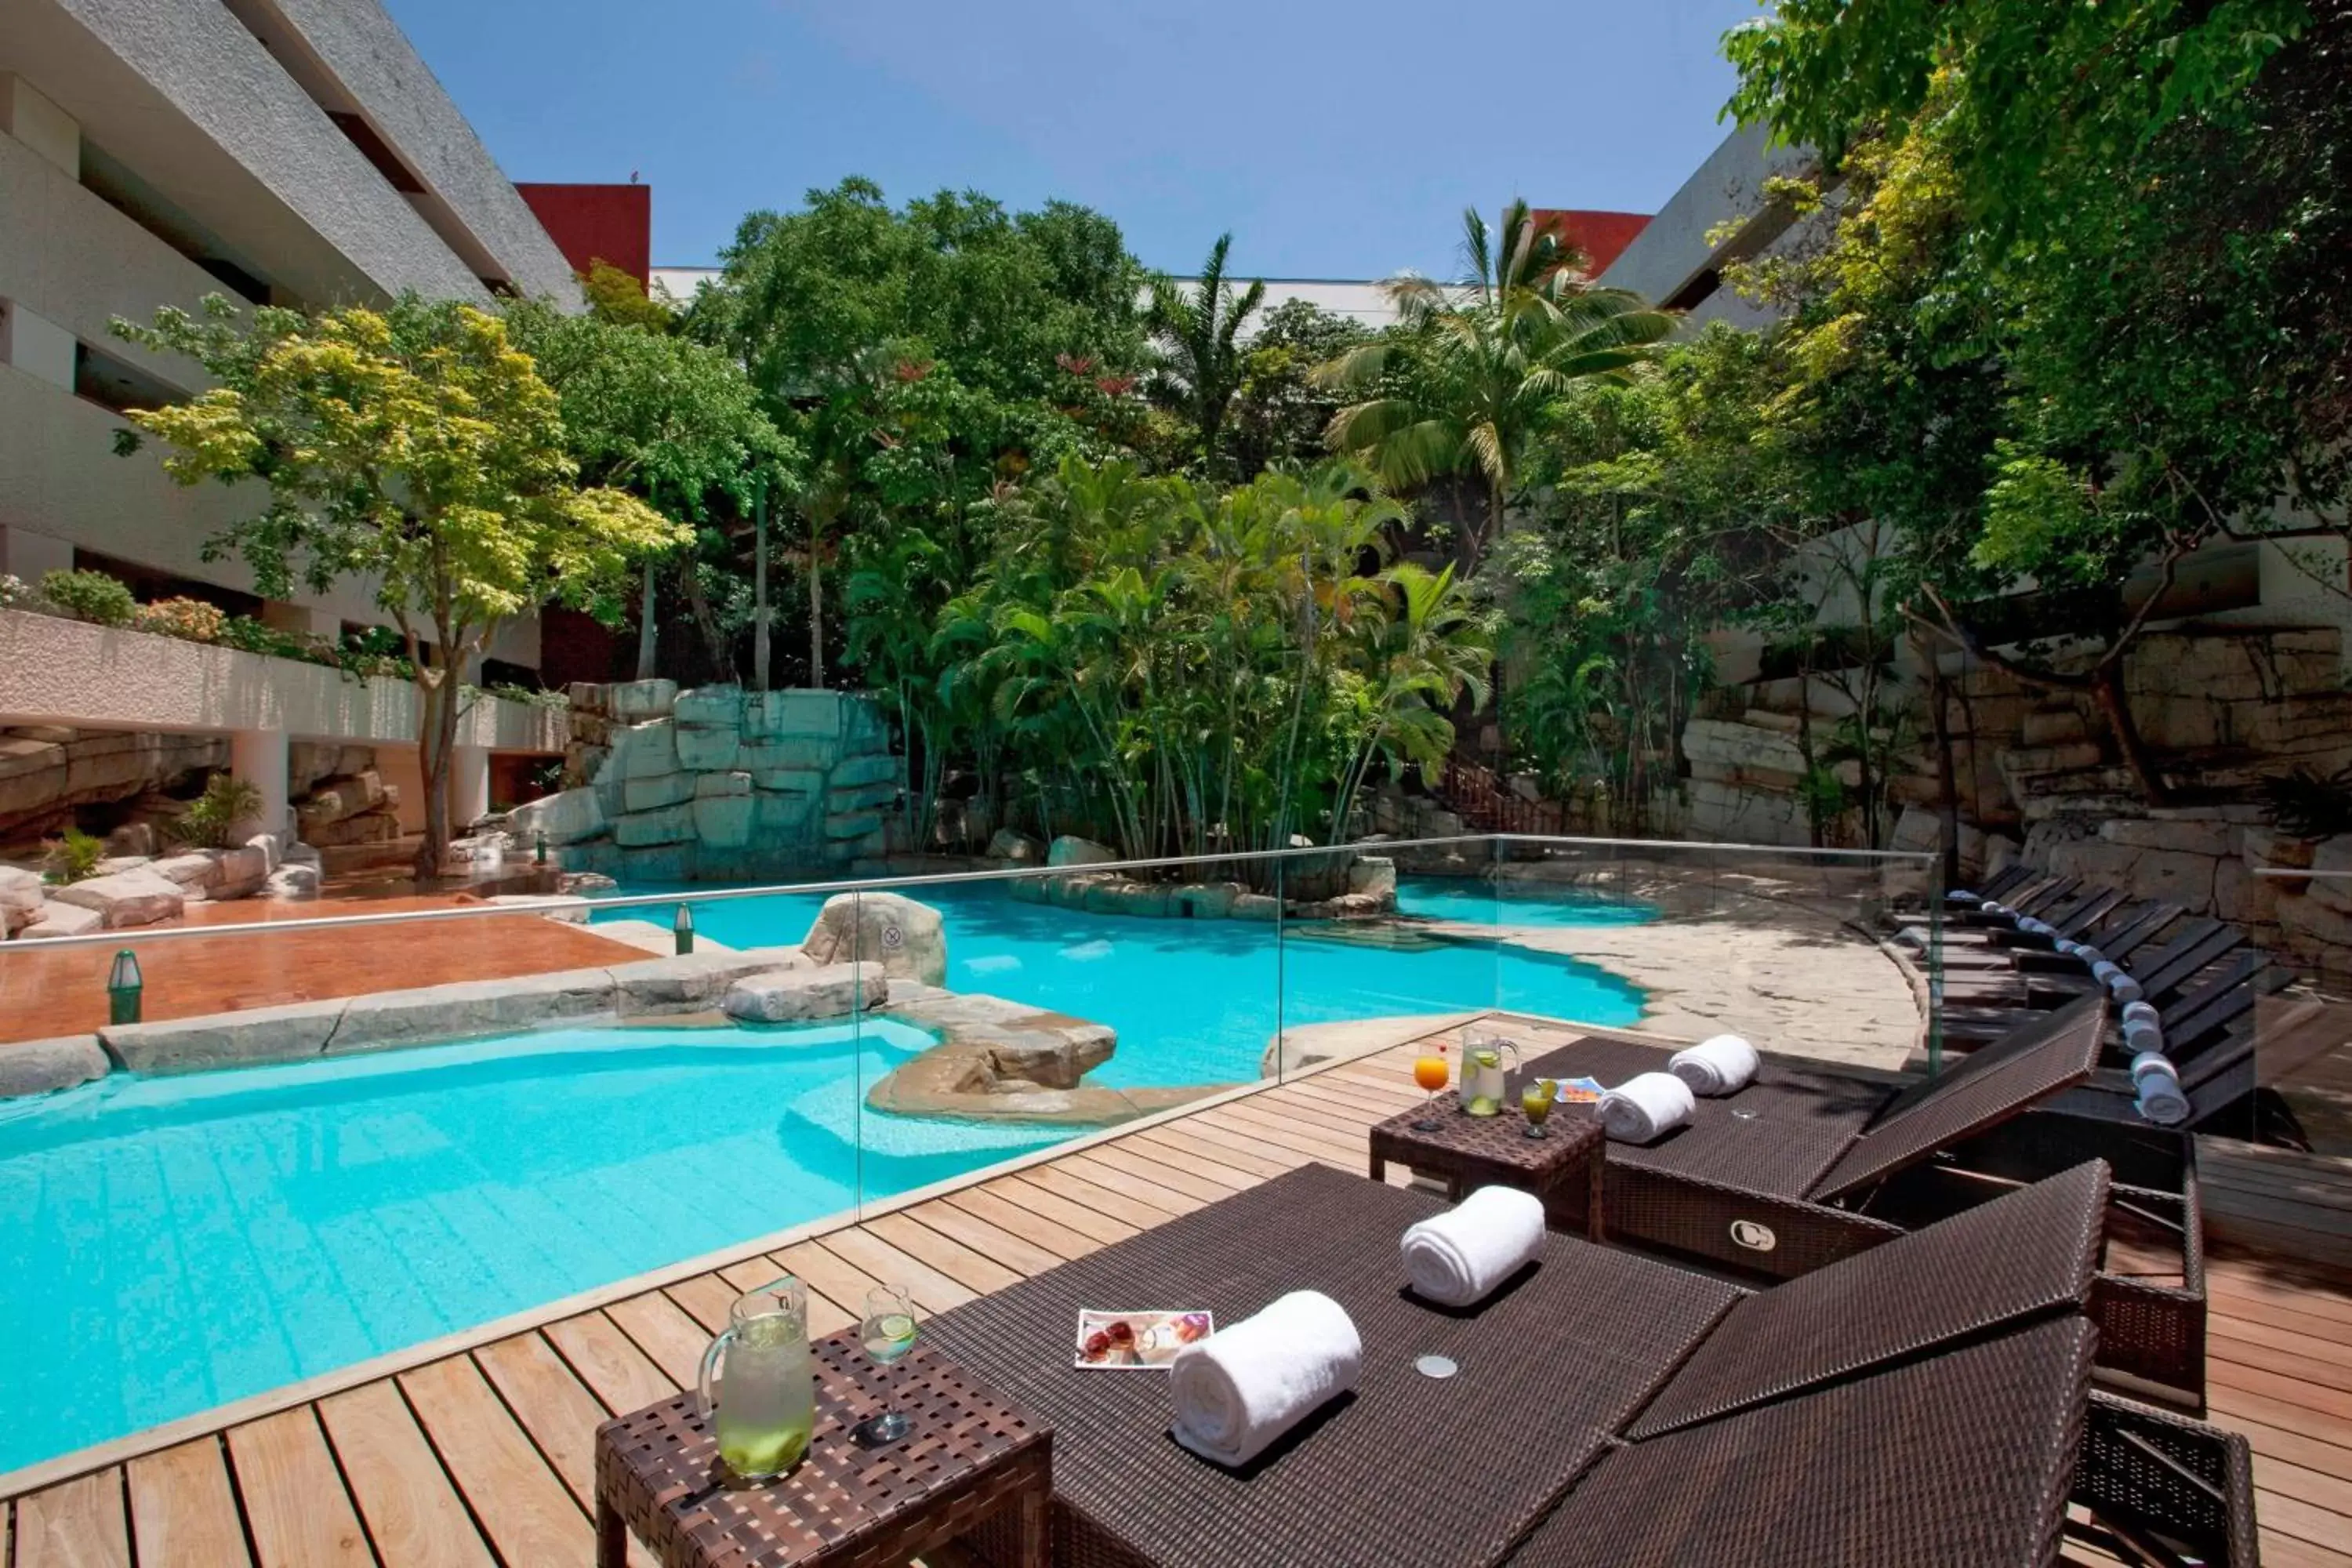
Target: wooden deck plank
{"x": 183, "y": 1511}
{"x": 552, "y": 1406}
{"x": 524, "y": 1506}
{"x": 975, "y": 1271}
{"x": 669, "y": 1339}
{"x": 622, "y": 1376}
{"x": 1042, "y": 1200}
{"x": 958, "y": 1223}
{"x": 78, "y": 1523}
{"x": 413, "y": 1512}
{"x": 1065, "y": 1184}
{"x": 933, "y": 1290}
{"x": 295, "y": 1503}
{"x": 484, "y": 1458}
{"x": 1031, "y": 1226}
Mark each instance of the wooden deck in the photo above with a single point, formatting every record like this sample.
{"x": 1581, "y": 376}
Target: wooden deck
{"x": 482, "y": 1457}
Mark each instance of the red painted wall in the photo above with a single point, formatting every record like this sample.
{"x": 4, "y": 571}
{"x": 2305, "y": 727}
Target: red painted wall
{"x": 1603, "y": 236}
{"x": 613, "y": 223}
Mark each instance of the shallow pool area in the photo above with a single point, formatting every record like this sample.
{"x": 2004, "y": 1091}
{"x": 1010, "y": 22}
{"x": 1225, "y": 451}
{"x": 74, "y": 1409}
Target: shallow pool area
{"x": 172, "y": 1244}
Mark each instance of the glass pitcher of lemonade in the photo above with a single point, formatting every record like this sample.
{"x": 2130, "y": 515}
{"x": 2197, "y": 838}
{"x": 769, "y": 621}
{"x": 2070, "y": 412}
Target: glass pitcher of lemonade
{"x": 759, "y": 1386}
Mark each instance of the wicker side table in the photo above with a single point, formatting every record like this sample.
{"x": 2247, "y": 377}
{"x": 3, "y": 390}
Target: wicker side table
{"x": 1564, "y": 1167}
{"x": 969, "y": 1456}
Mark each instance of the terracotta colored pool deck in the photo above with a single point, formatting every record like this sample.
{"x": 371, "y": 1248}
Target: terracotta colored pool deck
{"x": 46, "y": 991}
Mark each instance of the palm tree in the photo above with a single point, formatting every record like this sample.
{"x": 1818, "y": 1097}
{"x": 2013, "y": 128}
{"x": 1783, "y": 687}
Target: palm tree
{"x": 1198, "y": 329}
{"x": 1471, "y": 371}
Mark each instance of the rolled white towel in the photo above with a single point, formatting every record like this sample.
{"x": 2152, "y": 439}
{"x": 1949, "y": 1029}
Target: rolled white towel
{"x": 1962, "y": 895}
{"x": 2089, "y": 954}
{"x": 2032, "y": 927}
{"x": 1718, "y": 1065}
{"x": 2141, "y": 1013}
{"x": 1645, "y": 1106}
{"x": 2120, "y": 987}
{"x": 1459, "y": 1257}
{"x": 2068, "y": 946}
{"x": 2143, "y": 1035}
{"x": 1247, "y": 1385}
{"x": 1990, "y": 908}
{"x": 2159, "y": 1097}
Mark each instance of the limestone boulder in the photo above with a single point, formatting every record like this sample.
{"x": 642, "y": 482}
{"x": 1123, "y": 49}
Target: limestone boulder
{"x": 1205, "y": 900}
{"x": 1256, "y": 907}
{"x": 61, "y": 920}
{"x": 241, "y": 871}
{"x": 907, "y": 939}
{"x": 21, "y": 895}
{"x": 338, "y": 801}
{"x": 1375, "y": 875}
{"x": 723, "y": 821}
{"x": 653, "y": 794}
{"x": 637, "y": 700}
{"x": 378, "y": 826}
{"x": 1071, "y": 850}
{"x": 637, "y": 829}
{"x": 643, "y": 750}
{"x": 126, "y": 899}
{"x": 567, "y": 816}
{"x": 195, "y": 871}
{"x": 1055, "y": 1058}
{"x": 1019, "y": 848}
{"x": 2335, "y": 892}
{"x": 799, "y": 996}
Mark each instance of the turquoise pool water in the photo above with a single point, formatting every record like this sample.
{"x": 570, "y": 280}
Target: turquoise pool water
{"x": 172, "y": 1244}
{"x": 1196, "y": 1001}
{"x": 168, "y": 1244}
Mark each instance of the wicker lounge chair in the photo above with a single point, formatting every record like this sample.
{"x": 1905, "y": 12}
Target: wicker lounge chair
{"x": 1951, "y": 1364}
{"x": 1806, "y": 1166}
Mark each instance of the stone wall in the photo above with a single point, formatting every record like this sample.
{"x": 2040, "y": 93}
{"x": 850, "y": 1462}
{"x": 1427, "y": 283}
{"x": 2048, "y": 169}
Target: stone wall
{"x": 716, "y": 783}
{"x": 2039, "y": 777}
{"x": 48, "y": 774}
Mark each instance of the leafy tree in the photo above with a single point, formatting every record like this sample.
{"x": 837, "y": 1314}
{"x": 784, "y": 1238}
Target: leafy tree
{"x": 679, "y": 424}
{"x": 1478, "y": 367}
{"x": 415, "y": 448}
{"x": 615, "y": 297}
{"x": 922, "y": 356}
{"x": 1197, "y": 330}
{"x": 1279, "y": 412}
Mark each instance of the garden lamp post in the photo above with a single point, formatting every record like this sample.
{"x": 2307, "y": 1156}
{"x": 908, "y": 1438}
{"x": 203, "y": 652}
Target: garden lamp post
{"x": 123, "y": 986}
{"x": 684, "y": 929}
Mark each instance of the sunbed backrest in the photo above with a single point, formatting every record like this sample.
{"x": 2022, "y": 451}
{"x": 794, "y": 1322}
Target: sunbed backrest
{"x": 2178, "y": 961}
{"x": 2124, "y": 935}
{"x": 1964, "y": 1458}
{"x": 2043, "y": 1058}
{"x": 2026, "y": 1254}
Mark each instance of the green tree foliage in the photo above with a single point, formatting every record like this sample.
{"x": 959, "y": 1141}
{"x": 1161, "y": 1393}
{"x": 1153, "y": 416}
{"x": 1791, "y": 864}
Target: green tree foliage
{"x": 1280, "y": 412}
{"x": 415, "y": 448}
{"x": 1175, "y": 668}
{"x": 1473, "y": 372}
{"x": 615, "y": 297}
{"x": 921, "y": 357}
{"x": 679, "y": 424}
{"x": 1197, "y": 331}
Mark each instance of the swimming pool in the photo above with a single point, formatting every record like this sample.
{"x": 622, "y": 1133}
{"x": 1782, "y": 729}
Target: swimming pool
{"x": 1197, "y": 1001}
{"x": 172, "y": 1244}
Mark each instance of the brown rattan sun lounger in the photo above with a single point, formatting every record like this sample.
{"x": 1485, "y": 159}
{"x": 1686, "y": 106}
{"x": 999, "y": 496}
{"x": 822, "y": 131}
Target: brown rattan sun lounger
{"x": 1956, "y": 1351}
{"x": 1806, "y": 1166}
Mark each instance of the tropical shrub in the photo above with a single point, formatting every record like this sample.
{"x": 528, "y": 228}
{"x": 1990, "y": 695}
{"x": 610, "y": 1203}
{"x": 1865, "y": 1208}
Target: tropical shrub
{"x": 1173, "y": 668}
{"x": 15, "y": 594}
{"x": 73, "y": 856}
{"x": 228, "y": 803}
{"x": 190, "y": 619}
{"x": 91, "y": 596}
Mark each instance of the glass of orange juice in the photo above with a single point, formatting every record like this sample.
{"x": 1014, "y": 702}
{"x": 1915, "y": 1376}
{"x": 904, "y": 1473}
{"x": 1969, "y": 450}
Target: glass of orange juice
{"x": 1429, "y": 1070}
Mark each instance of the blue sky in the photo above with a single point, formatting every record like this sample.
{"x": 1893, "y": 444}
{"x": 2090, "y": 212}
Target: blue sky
{"x": 1334, "y": 140}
